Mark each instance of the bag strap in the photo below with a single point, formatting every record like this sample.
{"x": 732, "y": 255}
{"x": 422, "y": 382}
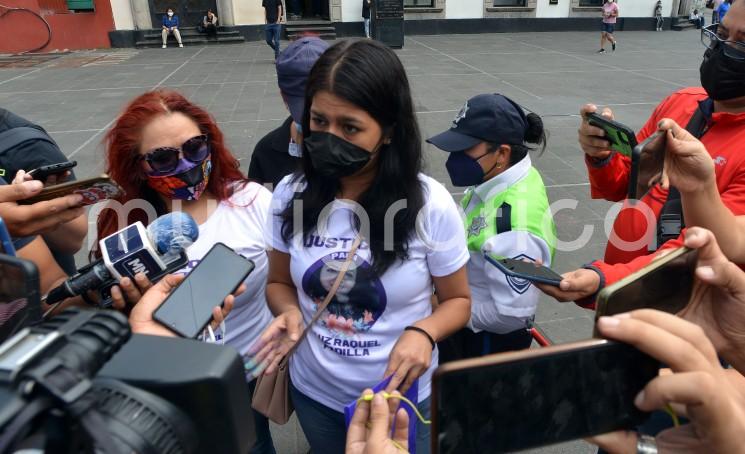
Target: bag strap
{"x": 337, "y": 283}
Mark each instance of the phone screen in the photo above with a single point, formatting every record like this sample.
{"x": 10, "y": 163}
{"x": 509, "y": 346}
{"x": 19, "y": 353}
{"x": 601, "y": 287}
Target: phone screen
{"x": 546, "y": 397}
{"x": 189, "y": 308}
{"x": 19, "y": 295}
{"x": 665, "y": 285}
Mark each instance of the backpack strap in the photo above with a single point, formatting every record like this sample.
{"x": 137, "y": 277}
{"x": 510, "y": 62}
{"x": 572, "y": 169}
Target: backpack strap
{"x": 16, "y": 136}
{"x": 671, "y": 221}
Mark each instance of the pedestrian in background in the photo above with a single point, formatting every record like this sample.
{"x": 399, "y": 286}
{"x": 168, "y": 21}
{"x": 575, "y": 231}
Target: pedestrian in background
{"x": 273, "y": 20}
{"x": 278, "y": 153}
{"x": 610, "y": 14}
{"x": 714, "y": 5}
{"x": 658, "y": 15}
{"x": 170, "y": 27}
{"x": 366, "y": 16}
{"x": 723, "y": 8}
{"x": 697, "y": 19}
{"x": 209, "y": 22}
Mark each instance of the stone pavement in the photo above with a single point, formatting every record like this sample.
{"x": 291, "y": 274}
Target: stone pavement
{"x": 77, "y": 96}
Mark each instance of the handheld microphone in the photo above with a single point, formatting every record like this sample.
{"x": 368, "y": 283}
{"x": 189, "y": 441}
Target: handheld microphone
{"x": 155, "y": 252}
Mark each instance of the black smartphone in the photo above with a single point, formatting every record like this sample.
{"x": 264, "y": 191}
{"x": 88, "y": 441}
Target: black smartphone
{"x": 622, "y": 138}
{"x": 44, "y": 172}
{"x": 20, "y": 300}
{"x": 665, "y": 284}
{"x": 525, "y": 270}
{"x": 647, "y": 160}
{"x": 536, "y": 397}
{"x": 93, "y": 190}
{"x": 188, "y": 309}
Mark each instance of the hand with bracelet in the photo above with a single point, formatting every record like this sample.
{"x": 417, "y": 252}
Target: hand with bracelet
{"x": 410, "y": 358}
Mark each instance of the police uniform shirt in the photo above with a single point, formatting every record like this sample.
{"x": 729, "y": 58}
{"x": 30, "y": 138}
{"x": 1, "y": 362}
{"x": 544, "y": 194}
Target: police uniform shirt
{"x": 499, "y": 303}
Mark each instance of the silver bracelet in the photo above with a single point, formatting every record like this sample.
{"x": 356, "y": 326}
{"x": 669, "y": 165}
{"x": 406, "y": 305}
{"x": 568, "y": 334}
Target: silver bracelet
{"x": 646, "y": 445}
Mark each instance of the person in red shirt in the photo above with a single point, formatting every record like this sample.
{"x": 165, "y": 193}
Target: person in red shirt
{"x": 722, "y": 101}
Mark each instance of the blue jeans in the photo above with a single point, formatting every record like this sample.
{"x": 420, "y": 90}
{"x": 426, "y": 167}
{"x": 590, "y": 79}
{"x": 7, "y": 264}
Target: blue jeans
{"x": 263, "y": 444}
{"x": 272, "y": 32}
{"x": 325, "y": 428}
{"x": 367, "y": 27}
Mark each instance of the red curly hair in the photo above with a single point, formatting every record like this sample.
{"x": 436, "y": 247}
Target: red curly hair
{"x": 123, "y": 144}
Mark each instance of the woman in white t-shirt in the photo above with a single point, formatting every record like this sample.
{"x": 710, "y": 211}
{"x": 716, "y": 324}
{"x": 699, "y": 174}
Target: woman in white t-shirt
{"x": 169, "y": 153}
{"x": 361, "y": 176}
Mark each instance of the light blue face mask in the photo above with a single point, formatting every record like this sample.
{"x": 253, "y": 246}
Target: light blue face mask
{"x": 294, "y": 149}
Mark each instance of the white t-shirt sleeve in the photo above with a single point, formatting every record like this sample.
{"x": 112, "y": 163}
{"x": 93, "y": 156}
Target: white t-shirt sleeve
{"x": 514, "y": 297}
{"x": 283, "y": 193}
{"x": 262, "y": 202}
{"x": 442, "y": 231}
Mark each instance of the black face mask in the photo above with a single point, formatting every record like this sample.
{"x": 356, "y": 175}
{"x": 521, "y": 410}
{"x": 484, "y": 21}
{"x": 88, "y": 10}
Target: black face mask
{"x": 333, "y": 156}
{"x": 722, "y": 77}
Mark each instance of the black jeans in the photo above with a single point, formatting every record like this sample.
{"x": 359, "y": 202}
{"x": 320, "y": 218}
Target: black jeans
{"x": 211, "y": 30}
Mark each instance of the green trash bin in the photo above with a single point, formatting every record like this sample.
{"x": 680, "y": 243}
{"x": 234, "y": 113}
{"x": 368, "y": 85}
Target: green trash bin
{"x": 80, "y": 4}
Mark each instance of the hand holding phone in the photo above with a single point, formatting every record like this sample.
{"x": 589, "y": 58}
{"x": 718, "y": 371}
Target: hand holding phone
{"x": 53, "y": 173}
{"x": 92, "y": 190}
{"x": 531, "y": 398}
{"x": 710, "y": 394}
{"x": 622, "y": 138}
{"x": 141, "y": 316}
{"x": 37, "y": 218}
{"x": 524, "y": 270}
{"x": 665, "y": 284}
{"x": 189, "y": 308}
{"x": 688, "y": 165}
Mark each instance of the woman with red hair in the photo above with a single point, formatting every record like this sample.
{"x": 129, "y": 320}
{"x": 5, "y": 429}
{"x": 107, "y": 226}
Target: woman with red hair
{"x": 168, "y": 152}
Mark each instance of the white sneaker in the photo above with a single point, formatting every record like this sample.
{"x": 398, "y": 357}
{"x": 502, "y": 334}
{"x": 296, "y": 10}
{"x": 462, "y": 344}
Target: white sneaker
{"x": 180, "y": 45}
{"x": 164, "y": 46}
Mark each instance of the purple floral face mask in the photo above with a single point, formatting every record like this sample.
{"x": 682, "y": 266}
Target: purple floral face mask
{"x": 186, "y": 182}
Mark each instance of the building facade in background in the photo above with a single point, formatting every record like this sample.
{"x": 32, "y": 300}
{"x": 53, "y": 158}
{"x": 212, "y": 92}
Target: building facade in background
{"x": 81, "y": 24}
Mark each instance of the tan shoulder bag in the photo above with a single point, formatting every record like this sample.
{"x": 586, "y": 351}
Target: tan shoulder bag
{"x": 272, "y": 394}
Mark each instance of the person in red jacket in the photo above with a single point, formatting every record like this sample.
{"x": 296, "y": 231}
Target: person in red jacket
{"x": 722, "y": 101}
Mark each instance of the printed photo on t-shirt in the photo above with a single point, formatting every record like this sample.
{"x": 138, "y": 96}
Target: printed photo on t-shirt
{"x": 359, "y": 302}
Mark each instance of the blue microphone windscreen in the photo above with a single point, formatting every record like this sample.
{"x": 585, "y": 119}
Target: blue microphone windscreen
{"x": 173, "y": 232}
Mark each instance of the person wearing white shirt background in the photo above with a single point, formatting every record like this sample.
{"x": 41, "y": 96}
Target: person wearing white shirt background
{"x": 166, "y": 151}
{"x": 507, "y": 215}
{"x": 362, "y": 159}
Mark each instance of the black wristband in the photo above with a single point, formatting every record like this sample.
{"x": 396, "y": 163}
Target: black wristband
{"x": 419, "y": 330}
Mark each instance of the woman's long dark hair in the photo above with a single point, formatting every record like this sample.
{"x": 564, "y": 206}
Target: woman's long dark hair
{"x": 370, "y": 76}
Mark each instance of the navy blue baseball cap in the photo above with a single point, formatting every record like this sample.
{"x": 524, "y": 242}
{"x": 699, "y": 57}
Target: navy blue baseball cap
{"x": 484, "y": 118}
{"x": 293, "y": 67}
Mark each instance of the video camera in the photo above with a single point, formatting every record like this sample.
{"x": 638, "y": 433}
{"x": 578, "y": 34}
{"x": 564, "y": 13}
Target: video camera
{"x": 154, "y": 394}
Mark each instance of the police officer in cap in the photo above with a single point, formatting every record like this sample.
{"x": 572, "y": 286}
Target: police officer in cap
{"x": 507, "y": 215}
